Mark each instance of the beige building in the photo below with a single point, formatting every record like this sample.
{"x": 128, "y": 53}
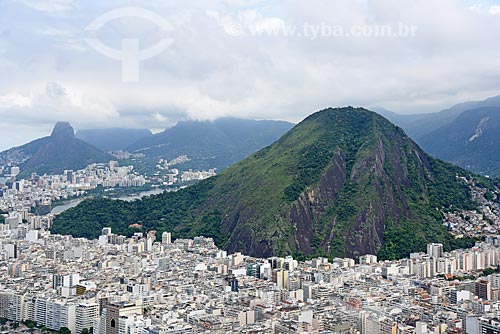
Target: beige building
{"x": 117, "y": 310}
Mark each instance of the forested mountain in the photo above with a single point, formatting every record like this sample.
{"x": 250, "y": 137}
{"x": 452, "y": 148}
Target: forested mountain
{"x": 112, "y": 139}
{"x": 55, "y": 153}
{"x": 344, "y": 181}
{"x": 471, "y": 141}
{"x": 418, "y": 126}
{"x": 211, "y": 144}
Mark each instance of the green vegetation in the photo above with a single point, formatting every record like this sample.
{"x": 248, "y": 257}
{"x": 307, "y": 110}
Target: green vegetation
{"x": 458, "y": 278}
{"x": 491, "y": 271}
{"x": 100, "y": 191}
{"x": 215, "y": 144}
{"x": 59, "y": 151}
{"x": 342, "y": 182}
{"x": 112, "y": 139}
{"x": 452, "y": 142}
{"x": 30, "y": 324}
{"x": 64, "y": 330}
{"x": 118, "y": 191}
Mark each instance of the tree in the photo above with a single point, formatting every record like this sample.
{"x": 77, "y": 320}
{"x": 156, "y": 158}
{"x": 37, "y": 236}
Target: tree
{"x": 64, "y": 330}
{"x": 30, "y": 324}
{"x": 85, "y": 331}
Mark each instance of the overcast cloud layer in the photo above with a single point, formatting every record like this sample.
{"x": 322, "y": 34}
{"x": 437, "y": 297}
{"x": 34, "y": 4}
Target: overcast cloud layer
{"x": 241, "y": 58}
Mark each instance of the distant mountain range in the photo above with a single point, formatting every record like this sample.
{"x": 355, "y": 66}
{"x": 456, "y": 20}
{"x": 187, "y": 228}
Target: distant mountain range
{"x": 466, "y": 134}
{"x": 418, "y": 126}
{"x": 211, "y": 144}
{"x": 55, "y": 153}
{"x": 343, "y": 182}
{"x": 221, "y": 143}
{"x": 112, "y": 139}
{"x": 472, "y": 141}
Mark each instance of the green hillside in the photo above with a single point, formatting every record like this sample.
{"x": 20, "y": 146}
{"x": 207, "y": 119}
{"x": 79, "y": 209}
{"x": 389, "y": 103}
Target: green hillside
{"x": 342, "y": 182}
{"x": 55, "y": 153}
{"x": 210, "y": 144}
{"x": 471, "y": 141}
{"x": 112, "y": 139}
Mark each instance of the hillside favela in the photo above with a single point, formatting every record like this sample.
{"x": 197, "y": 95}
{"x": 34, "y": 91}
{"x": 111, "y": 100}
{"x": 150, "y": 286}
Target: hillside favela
{"x": 250, "y": 166}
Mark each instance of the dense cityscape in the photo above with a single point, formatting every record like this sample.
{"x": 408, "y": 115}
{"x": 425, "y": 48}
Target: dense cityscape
{"x": 249, "y": 166}
{"x": 153, "y": 284}
{"x": 137, "y": 285}
{"x": 32, "y": 199}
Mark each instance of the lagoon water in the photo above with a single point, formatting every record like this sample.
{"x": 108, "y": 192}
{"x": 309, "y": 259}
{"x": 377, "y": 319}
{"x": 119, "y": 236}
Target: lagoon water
{"x": 72, "y": 203}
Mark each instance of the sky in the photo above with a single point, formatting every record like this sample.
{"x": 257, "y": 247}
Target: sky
{"x": 165, "y": 61}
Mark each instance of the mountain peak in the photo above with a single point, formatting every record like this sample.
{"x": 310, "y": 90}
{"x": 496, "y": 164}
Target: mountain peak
{"x": 343, "y": 182}
{"x": 59, "y": 151}
{"x": 63, "y": 129}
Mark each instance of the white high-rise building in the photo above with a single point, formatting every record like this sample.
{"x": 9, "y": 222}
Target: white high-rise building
{"x": 54, "y": 314}
{"x": 166, "y": 238}
{"x": 65, "y": 280}
{"x": 133, "y": 324}
{"x": 68, "y": 316}
{"x": 435, "y": 250}
{"x": 14, "y": 171}
{"x": 41, "y": 311}
{"x": 421, "y": 327}
{"x": 86, "y": 314}
{"x": 11, "y": 306}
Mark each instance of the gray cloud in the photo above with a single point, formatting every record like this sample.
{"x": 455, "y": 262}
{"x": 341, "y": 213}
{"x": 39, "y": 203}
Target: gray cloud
{"x": 241, "y": 58}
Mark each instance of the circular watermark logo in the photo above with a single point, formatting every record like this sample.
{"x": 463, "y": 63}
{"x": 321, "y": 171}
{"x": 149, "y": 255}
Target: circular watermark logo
{"x": 130, "y": 55}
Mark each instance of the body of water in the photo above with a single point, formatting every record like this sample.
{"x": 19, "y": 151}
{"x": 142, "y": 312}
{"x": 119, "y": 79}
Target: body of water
{"x": 67, "y": 205}
{"x": 74, "y": 202}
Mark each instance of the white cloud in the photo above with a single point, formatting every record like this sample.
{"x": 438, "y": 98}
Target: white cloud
{"x": 50, "y": 5}
{"x": 477, "y": 8}
{"x": 54, "y": 32}
{"x": 231, "y": 25}
{"x": 53, "y": 103}
{"x": 159, "y": 117}
{"x": 248, "y": 22}
{"x": 228, "y": 60}
{"x": 495, "y": 9}
{"x": 243, "y": 3}
{"x": 13, "y": 100}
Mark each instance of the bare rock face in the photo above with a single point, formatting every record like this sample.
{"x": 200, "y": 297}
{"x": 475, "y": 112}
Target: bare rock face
{"x": 63, "y": 130}
{"x": 311, "y": 205}
{"x": 381, "y": 200}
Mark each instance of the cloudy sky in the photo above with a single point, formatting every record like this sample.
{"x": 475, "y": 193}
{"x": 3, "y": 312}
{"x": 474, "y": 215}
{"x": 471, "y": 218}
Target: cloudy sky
{"x": 241, "y": 58}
